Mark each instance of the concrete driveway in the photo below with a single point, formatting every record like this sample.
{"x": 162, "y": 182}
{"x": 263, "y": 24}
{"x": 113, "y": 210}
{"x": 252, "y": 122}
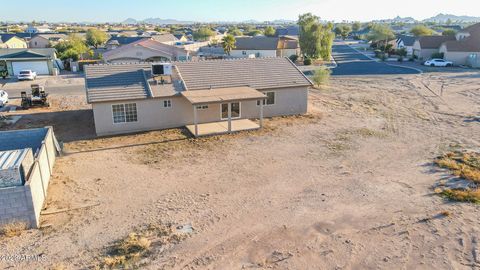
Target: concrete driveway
{"x": 352, "y": 62}
{"x": 63, "y": 84}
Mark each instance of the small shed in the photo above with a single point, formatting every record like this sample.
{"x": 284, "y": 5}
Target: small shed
{"x": 15, "y": 166}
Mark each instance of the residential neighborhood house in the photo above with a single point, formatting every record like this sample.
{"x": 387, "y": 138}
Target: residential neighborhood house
{"x": 405, "y": 42}
{"x": 208, "y": 97}
{"x": 46, "y": 40}
{"x": 424, "y": 47}
{"x": 465, "y": 48}
{"x": 146, "y": 50}
{"x": 261, "y": 46}
{"x": 11, "y": 41}
{"x": 42, "y": 61}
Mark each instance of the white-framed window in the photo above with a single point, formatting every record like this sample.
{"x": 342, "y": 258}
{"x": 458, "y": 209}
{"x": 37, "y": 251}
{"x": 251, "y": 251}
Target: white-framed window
{"x": 167, "y": 103}
{"x": 202, "y": 107}
{"x": 124, "y": 113}
{"x": 270, "y": 99}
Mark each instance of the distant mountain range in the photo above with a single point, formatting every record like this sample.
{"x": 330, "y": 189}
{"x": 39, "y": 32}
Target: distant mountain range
{"x": 442, "y": 18}
{"x": 158, "y": 21}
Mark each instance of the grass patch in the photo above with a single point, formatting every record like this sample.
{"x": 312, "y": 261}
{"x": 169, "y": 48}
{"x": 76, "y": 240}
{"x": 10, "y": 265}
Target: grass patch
{"x": 471, "y": 196}
{"x": 127, "y": 252}
{"x": 462, "y": 164}
{"x": 13, "y": 229}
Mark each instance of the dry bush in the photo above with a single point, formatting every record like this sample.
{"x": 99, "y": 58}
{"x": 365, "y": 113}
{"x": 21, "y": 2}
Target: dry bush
{"x": 13, "y": 229}
{"x": 124, "y": 253}
{"x": 462, "y": 164}
{"x": 472, "y": 196}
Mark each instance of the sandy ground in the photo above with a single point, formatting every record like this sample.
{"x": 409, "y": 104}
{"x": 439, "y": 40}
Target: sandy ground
{"x": 348, "y": 186}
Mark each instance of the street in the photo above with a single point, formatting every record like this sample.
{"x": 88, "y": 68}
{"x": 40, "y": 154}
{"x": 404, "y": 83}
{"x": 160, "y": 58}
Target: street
{"x": 351, "y": 62}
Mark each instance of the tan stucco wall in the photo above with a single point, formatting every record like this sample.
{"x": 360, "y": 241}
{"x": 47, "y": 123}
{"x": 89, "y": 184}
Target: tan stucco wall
{"x": 141, "y": 54}
{"x": 152, "y": 115}
{"x": 458, "y": 58}
{"x": 39, "y": 42}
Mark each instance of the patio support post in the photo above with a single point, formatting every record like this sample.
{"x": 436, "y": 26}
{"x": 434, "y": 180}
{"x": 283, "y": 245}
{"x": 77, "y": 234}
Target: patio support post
{"x": 229, "y": 117}
{"x": 261, "y": 113}
{"x": 195, "y": 121}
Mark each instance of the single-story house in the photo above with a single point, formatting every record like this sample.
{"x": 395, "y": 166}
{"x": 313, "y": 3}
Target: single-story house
{"x": 212, "y": 96}
{"x": 42, "y": 61}
{"x": 405, "y": 42}
{"x": 117, "y": 41}
{"x": 34, "y": 29}
{"x": 465, "y": 49}
{"x": 261, "y": 46}
{"x": 290, "y": 31}
{"x": 181, "y": 37}
{"x": 46, "y": 40}
{"x": 165, "y": 38}
{"x": 424, "y": 47}
{"x": 11, "y": 41}
{"x": 147, "y": 50}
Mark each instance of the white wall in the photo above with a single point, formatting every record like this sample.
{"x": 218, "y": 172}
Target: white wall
{"x": 152, "y": 116}
{"x": 261, "y": 53}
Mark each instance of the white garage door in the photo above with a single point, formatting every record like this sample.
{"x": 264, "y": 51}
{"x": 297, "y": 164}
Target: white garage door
{"x": 41, "y": 67}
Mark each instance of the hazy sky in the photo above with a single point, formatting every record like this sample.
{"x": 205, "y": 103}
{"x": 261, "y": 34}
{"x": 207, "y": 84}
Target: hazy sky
{"x": 228, "y": 10}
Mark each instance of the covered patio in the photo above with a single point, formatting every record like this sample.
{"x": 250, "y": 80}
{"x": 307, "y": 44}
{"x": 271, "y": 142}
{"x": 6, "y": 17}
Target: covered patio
{"x": 225, "y": 96}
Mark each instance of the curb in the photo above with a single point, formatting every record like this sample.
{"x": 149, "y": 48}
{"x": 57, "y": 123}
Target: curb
{"x": 386, "y": 63}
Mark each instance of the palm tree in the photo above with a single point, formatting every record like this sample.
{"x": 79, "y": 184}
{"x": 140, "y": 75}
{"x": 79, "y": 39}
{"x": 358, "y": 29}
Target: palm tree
{"x": 229, "y": 43}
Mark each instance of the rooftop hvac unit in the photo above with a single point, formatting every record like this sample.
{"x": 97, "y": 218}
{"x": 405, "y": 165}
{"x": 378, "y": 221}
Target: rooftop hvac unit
{"x": 162, "y": 69}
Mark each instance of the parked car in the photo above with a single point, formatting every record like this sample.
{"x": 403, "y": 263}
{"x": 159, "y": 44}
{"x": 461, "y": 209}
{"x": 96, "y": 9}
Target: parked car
{"x": 3, "y": 98}
{"x": 27, "y": 75}
{"x": 438, "y": 63}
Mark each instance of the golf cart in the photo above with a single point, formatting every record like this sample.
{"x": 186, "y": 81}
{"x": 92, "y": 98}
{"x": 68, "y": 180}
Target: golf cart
{"x": 38, "y": 97}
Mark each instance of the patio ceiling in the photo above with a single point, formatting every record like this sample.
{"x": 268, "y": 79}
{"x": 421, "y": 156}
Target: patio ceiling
{"x": 221, "y": 95}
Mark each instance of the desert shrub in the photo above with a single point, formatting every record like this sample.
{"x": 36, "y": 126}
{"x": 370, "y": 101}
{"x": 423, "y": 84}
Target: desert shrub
{"x": 321, "y": 76}
{"x": 461, "y": 164}
{"x": 471, "y": 196}
{"x": 401, "y": 52}
{"x": 438, "y": 55}
{"x": 13, "y": 229}
{"x": 400, "y": 59}
{"x": 411, "y": 59}
{"x": 126, "y": 250}
{"x": 307, "y": 61}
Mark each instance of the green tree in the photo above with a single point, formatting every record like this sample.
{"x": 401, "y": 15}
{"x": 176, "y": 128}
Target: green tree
{"x": 421, "y": 30}
{"x": 356, "y": 26}
{"x": 255, "y": 32}
{"x": 321, "y": 76}
{"x": 203, "y": 34}
{"x": 449, "y": 32}
{"x": 315, "y": 38}
{"x": 345, "y": 30}
{"x": 236, "y": 32}
{"x": 95, "y": 37}
{"x": 269, "y": 31}
{"x": 73, "y": 48}
{"x": 228, "y": 43}
{"x": 381, "y": 33}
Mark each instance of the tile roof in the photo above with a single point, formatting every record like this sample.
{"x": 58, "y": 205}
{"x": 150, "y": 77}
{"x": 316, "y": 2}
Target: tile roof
{"x": 472, "y": 29}
{"x": 116, "y": 82}
{"x": 125, "y": 40}
{"x": 407, "y": 40}
{"x": 28, "y": 53}
{"x": 162, "y": 49}
{"x": 256, "y": 43}
{"x": 165, "y": 38}
{"x": 433, "y": 42}
{"x": 258, "y": 73}
{"x": 292, "y": 30}
{"x": 6, "y": 37}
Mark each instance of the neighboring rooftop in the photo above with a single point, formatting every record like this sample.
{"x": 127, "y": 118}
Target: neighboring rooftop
{"x": 164, "y": 38}
{"x": 27, "y": 53}
{"x": 433, "y": 42}
{"x": 256, "y": 43}
{"x": 292, "y": 30}
{"x": 124, "y": 40}
{"x": 472, "y": 29}
{"x": 407, "y": 40}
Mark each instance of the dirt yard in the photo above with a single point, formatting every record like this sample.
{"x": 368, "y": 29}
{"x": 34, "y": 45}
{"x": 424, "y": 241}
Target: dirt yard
{"x": 348, "y": 186}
